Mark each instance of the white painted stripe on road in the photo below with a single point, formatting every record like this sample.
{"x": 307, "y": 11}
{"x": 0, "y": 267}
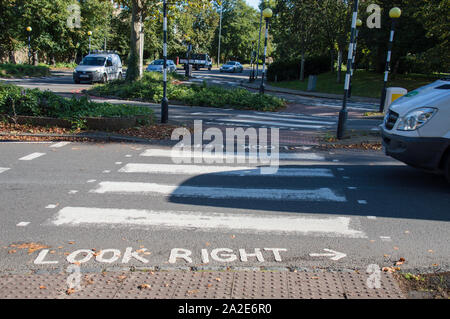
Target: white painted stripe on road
{"x": 23, "y": 224}
{"x": 271, "y": 123}
{"x": 333, "y": 227}
{"x": 51, "y": 206}
{"x": 60, "y": 144}
{"x": 31, "y": 156}
{"x": 270, "y": 117}
{"x": 209, "y": 155}
{"x": 3, "y": 169}
{"x": 321, "y": 194}
{"x": 225, "y": 170}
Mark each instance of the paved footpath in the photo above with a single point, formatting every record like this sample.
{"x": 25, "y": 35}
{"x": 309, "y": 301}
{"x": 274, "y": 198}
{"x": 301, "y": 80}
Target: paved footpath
{"x": 200, "y": 285}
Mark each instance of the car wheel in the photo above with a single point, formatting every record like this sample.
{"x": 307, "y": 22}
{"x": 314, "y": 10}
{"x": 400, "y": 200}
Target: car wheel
{"x": 447, "y": 168}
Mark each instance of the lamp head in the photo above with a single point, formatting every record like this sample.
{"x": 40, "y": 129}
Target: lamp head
{"x": 359, "y": 23}
{"x": 89, "y": 33}
{"x": 267, "y": 13}
{"x": 395, "y": 13}
{"x": 29, "y": 29}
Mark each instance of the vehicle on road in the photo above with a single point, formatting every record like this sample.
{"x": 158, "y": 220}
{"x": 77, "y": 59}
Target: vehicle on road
{"x": 232, "y": 66}
{"x": 98, "y": 67}
{"x": 416, "y": 129}
{"x": 157, "y": 66}
{"x": 198, "y": 61}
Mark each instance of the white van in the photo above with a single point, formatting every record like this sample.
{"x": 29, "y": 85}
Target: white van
{"x": 416, "y": 129}
{"x": 98, "y": 67}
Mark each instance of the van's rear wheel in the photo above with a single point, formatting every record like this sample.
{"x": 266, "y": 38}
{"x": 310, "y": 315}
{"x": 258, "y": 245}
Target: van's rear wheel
{"x": 447, "y": 168}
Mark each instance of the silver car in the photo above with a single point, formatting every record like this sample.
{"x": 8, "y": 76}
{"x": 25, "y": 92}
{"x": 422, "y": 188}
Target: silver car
{"x": 232, "y": 66}
{"x": 157, "y": 66}
{"x": 98, "y": 67}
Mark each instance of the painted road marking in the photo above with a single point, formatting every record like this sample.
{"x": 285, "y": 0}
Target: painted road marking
{"x": 91, "y": 181}
{"x": 321, "y": 194}
{"x": 23, "y": 224}
{"x": 73, "y": 192}
{"x": 31, "y": 156}
{"x": 106, "y": 171}
{"x": 335, "y": 255}
{"x": 3, "y": 169}
{"x": 51, "y": 206}
{"x": 385, "y": 238}
{"x": 292, "y": 223}
{"x": 60, "y": 144}
{"x": 309, "y": 121}
{"x": 272, "y": 123}
{"x": 222, "y": 170}
{"x": 362, "y": 202}
{"x": 210, "y": 155}
{"x": 372, "y": 217}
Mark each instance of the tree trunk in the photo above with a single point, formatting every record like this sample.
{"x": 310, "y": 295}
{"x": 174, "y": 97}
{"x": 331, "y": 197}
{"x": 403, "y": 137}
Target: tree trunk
{"x": 12, "y": 57}
{"x": 339, "y": 66}
{"x": 302, "y": 68}
{"x": 133, "y": 59}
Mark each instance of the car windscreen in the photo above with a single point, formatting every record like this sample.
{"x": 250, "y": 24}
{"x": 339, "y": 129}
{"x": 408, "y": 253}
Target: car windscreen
{"x": 230, "y": 63}
{"x": 95, "y": 61}
{"x": 157, "y": 62}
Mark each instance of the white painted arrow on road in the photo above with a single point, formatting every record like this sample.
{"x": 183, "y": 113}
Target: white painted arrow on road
{"x": 334, "y": 254}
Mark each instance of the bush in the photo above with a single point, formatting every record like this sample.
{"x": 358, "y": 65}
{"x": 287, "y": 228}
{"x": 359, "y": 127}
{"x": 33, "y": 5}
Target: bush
{"x": 20, "y": 70}
{"x": 150, "y": 89}
{"x": 290, "y": 70}
{"x": 17, "y": 101}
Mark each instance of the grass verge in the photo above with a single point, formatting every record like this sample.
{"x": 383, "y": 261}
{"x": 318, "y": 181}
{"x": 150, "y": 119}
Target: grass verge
{"x": 8, "y": 70}
{"x": 364, "y": 83}
{"x": 150, "y": 89}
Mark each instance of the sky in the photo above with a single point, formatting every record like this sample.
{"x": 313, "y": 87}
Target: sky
{"x": 253, "y": 3}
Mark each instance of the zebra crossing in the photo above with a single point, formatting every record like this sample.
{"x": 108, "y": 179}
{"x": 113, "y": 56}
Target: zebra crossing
{"x": 152, "y": 178}
{"x": 278, "y": 120}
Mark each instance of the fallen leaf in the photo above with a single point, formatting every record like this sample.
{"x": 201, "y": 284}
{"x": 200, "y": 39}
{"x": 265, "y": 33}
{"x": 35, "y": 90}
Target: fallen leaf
{"x": 122, "y": 277}
{"x": 192, "y": 291}
{"x": 42, "y": 287}
{"x": 435, "y": 265}
{"x": 144, "y": 286}
{"x": 12, "y": 251}
{"x": 218, "y": 279}
{"x": 430, "y": 251}
{"x": 71, "y": 242}
{"x": 396, "y": 248}
{"x": 70, "y": 291}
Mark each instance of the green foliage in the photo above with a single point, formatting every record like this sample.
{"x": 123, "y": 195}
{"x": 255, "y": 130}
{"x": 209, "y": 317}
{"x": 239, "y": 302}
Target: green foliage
{"x": 20, "y": 70}
{"x": 17, "y": 101}
{"x": 150, "y": 88}
{"x": 290, "y": 70}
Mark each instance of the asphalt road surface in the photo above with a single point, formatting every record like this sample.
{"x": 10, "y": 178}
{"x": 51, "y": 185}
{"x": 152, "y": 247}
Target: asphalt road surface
{"x": 115, "y": 206}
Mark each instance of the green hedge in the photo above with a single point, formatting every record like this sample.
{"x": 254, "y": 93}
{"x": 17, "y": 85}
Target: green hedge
{"x": 17, "y": 101}
{"x": 290, "y": 70}
{"x": 150, "y": 89}
{"x": 20, "y": 70}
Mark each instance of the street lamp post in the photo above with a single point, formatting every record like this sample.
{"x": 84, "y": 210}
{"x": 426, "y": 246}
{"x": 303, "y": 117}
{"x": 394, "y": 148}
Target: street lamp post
{"x": 220, "y": 34}
{"x": 394, "y": 14}
{"x": 252, "y": 62}
{"x": 267, "y": 13}
{"x": 343, "y": 112}
{"x": 358, "y": 25}
{"x": 165, "y": 101}
{"x": 259, "y": 41}
{"x": 89, "y": 34}
{"x": 29, "y": 29}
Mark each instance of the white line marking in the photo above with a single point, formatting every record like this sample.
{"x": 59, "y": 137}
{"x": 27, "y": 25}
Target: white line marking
{"x": 362, "y": 202}
{"x": 128, "y": 155}
{"x": 292, "y": 223}
{"x": 91, "y": 181}
{"x": 271, "y": 118}
{"x": 331, "y": 253}
{"x": 73, "y": 192}
{"x": 225, "y": 170}
{"x": 31, "y": 156}
{"x": 270, "y": 123}
{"x": 60, "y": 144}
{"x": 209, "y": 155}
{"x": 321, "y": 194}
{"x": 51, "y": 206}
{"x": 3, "y": 169}
{"x": 385, "y": 238}
{"x": 118, "y": 163}
{"x": 23, "y": 224}
{"x": 106, "y": 171}
{"x": 371, "y": 217}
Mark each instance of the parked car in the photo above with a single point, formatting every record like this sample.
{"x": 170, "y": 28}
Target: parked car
{"x": 416, "y": 129}
{"x": 98, "y": 67}
{"x": 157, "y": 66}
{"x": 232, "y": 66}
